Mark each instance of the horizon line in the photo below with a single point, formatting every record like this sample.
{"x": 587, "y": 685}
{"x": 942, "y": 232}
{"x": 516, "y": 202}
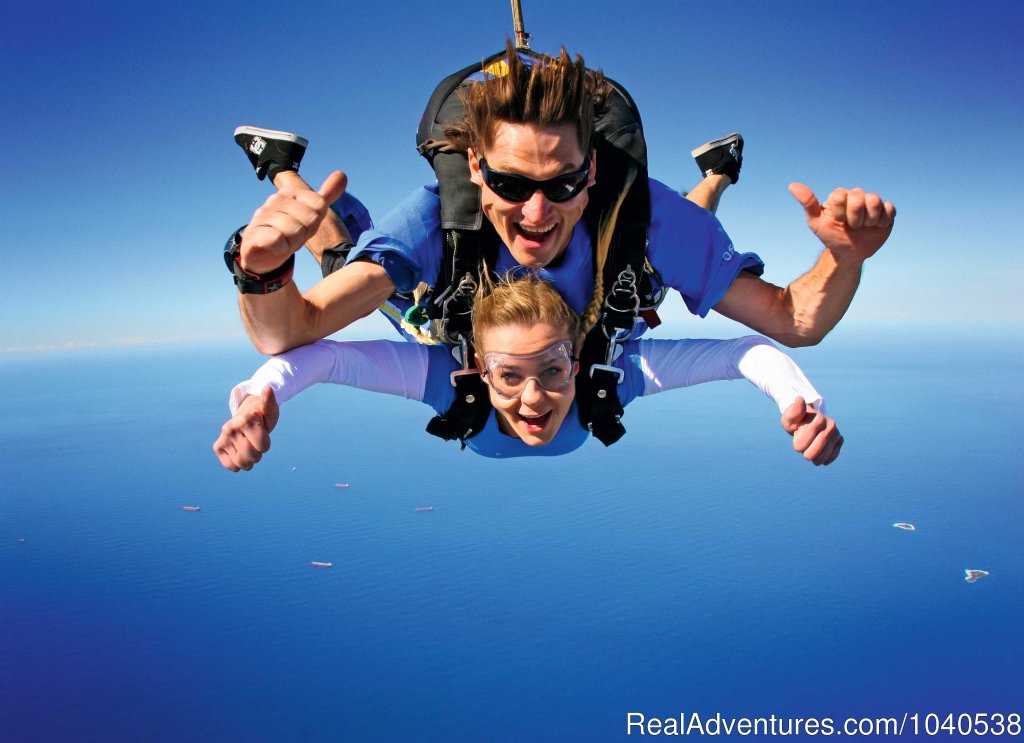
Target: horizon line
{"x": 1005, "y": 324}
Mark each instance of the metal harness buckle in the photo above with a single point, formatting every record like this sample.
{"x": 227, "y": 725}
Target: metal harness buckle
{"x": 466, "y": 289}
{"x": 464, "y": 359}
{"x": 624, "y": 286}
{"x": 608, "y": 368}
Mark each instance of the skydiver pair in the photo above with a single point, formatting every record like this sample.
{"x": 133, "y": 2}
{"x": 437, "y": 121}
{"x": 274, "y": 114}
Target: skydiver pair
{"x": 525, "y": 155}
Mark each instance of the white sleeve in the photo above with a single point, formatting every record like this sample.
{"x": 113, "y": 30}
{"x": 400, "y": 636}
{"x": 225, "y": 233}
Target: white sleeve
{"x": 670, "y": 364}
{"x": 389, "y": 367}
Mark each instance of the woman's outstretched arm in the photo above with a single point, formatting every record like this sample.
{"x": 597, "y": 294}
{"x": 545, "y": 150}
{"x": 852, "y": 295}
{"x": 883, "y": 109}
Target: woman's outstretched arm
{"x": 388, "y": 367}
{"x": 670, "y": 364}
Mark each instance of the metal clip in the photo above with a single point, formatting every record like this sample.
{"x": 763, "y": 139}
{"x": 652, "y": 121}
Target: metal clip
{"x": 606, "y": 367}
{"x": 463, "y": 293}
{"x": 617, "y": 334}
{"x": 627, "y": 279}
{"x": 613, "y": 343}
{"x": 632, "y": 298}
{"x": 624, "y": 286}
{"x": 461, "y": 373}
{"x": 464, "y": 358}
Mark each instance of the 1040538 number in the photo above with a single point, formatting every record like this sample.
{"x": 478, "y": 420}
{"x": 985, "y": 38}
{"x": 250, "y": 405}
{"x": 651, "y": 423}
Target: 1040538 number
{"x": 964, "y": 724}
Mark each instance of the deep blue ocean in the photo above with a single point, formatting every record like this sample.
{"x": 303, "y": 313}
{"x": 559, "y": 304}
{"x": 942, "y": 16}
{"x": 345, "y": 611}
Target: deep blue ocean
{"x": 698, "y": 565}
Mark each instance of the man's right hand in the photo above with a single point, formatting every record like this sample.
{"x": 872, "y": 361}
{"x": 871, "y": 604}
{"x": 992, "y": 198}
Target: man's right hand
{"x": 851, "y": 223}
{"x": 244, "y": 439}
{"x": 286, "y": 221}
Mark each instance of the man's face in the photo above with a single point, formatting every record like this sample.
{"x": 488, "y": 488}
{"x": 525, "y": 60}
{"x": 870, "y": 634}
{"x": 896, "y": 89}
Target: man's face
{"x": 537, "y": 230}
{"x": 536, "y": 414}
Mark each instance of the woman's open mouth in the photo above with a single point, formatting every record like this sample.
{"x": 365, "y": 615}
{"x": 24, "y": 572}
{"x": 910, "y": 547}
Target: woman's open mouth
{"x": 536, "y": 423}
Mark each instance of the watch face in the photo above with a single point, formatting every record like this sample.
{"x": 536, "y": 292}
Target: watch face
{"x": 249, "y": 283}
{"x": 232, "y": 248}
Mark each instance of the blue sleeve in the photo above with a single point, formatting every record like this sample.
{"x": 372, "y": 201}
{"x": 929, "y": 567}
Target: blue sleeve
{"x": 631, "y": 364}
{"x": 439, "y": 392}
{"x": 407, "y": 242}
{"x": 691, "y": 252}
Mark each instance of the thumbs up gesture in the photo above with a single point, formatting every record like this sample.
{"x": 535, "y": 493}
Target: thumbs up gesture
{"x": 245, "y": 438}
{"x": 851, "y": 223}
{"x": 815, "y": 435}
{"x": 286, "y": 221}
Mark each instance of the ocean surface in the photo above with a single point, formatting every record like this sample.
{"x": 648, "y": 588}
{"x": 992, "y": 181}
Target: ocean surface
{"x": 697, "y": 566}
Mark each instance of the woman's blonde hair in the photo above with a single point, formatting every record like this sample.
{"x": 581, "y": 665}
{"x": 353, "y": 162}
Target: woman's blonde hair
{"x": 522, "y": 299}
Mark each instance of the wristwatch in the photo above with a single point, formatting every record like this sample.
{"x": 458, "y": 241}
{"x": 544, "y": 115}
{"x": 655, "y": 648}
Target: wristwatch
{"x": 253, "y": 283}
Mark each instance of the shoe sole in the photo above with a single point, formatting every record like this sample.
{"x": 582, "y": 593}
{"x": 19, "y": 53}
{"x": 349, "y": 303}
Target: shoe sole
{"x": 714, "y": 144}
{"x": 255, "y": 131}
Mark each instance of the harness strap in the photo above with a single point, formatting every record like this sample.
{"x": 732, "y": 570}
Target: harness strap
{"x": 468, "y": 414}
{"x": 597, "y": 397}
{"x": 629, "y": 293}
{"x": 632, "y": 287}
{"x": 460, "y": 198}
{"x": 450, "y": 300}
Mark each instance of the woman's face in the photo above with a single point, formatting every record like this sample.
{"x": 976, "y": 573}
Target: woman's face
{"x": 533, "y": 369}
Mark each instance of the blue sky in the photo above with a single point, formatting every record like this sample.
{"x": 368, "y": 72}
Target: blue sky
{"x": 121, "y": 180}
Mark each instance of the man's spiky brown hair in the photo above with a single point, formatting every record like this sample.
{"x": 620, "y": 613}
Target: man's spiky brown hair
{"x": 548, "y": 91}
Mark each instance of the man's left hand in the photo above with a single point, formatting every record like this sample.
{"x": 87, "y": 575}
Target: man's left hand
{"x": 851, "y": 223}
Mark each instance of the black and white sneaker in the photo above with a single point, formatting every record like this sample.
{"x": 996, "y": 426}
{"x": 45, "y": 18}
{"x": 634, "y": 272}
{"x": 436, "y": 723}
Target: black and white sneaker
{"x": 721, "y": 157}
{"x": 271, "y": 151}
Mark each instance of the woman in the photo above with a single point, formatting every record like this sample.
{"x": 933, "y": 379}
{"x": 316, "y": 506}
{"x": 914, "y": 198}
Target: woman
{"x": 526, "y": 336}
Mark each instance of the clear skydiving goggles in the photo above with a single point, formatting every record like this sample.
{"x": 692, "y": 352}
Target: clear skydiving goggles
{"x": 508, "y": 374}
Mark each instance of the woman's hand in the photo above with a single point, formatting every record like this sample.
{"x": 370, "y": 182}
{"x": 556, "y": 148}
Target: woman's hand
{"x": 814, "y": 434}
{"x": 244, "y": 439}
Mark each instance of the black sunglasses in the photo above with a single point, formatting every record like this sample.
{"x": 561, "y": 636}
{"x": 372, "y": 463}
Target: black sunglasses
{"x": 519, "y": 188}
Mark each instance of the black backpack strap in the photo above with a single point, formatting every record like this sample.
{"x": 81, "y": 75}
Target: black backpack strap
{"x": 460, "y": 197}
{"x": 468, "y": 241}
{"x": 334, "y": 258}
{"x": 468, "y": 413}
{"x": 597, "y": 396}
{"x": 597, "y": 384}
{"x": 619, "y": 125}
{"x": 624, "y": 275}
{"x": 468, "y": 238}
{"x": 450, "y": 300}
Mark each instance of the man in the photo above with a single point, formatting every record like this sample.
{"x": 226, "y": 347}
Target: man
{"x": 528, "y": 137}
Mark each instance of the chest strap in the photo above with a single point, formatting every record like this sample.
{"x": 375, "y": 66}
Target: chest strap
{"x": 597, "y": 396}
{"x": 468, "y": 414}
{"x": 450, "y": 300}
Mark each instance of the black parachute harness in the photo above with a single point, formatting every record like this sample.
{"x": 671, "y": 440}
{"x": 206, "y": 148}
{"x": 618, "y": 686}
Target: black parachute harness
{"x": 633, "y": 290}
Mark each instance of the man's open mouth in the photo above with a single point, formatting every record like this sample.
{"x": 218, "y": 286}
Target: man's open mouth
{"x": 532, "y": 234}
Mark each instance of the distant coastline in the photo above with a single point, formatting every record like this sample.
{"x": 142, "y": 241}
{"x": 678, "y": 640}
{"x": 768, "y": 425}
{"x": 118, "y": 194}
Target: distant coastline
{"x": 117, "y": 343}
{"x": 852, "y": 331}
